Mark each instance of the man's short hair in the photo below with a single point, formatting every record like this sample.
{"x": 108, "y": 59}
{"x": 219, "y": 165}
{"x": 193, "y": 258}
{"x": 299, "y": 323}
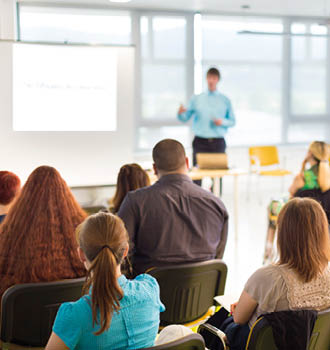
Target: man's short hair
{"x": 169, "y": 155}
{"x": 214, "y": 71}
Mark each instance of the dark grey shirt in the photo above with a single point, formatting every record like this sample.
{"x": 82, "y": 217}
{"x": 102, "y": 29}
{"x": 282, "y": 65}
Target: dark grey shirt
{"x": 174, "y": 221}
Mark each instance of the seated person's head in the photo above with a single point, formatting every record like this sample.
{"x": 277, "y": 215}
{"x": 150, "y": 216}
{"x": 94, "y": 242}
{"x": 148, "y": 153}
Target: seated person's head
{"x": 169, "y": 157}
{"x": 131, "y": 177}
{"x": 103, "y": 245}
{"x": 10, "y": 186}
{"x": 318, "y": 151}
{"x": 303, "y": 237}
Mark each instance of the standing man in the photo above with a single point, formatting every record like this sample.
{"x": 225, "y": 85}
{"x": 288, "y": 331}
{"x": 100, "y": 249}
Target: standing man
{"x": 212, "y": 116}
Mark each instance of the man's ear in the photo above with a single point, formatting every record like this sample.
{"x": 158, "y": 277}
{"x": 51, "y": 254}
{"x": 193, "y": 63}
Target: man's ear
{"x": 187, "y": 162}
{"x": 155, "y": 169}
{"x": 81, "y": 255}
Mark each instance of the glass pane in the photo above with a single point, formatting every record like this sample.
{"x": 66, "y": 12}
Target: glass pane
{"x": 308, "y": 94}
{"x": 255, "y": 93}
{"x": 163, "y": 89}
{"x": 222, "y": 40}
{"x": 308, "y": 132}
{"x": 308, "y": 91}
{"x": 169, "y": 37}
{"x": 149, "y": 136}
{"x": 74, "y": 26}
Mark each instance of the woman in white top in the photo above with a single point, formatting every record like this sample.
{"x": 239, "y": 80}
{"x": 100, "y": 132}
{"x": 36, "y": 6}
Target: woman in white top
{"x": 301, "y": 278}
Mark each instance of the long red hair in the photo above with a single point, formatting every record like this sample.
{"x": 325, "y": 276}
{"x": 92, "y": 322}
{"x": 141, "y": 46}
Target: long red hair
{"x": 37, "y": 239}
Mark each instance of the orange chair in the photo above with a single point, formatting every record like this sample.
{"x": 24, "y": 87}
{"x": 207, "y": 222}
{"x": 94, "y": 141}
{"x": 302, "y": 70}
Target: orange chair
{"x": 264, "y": 157}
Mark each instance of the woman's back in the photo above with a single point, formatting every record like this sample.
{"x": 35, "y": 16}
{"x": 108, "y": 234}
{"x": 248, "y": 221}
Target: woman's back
{"x": 134, "y": 326}
{"x": 37, "y": 241}
{"x": 279, "y": 288}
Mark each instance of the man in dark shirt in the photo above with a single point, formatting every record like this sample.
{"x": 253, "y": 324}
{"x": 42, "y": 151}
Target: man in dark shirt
{"x": 174, "y": 220}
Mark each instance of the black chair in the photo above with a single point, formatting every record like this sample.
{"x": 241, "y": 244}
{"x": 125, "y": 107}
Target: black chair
{"x": 261, "y": 334}
{"x": 188, "y": 290}
{"x": 28, "y": 310}
{"x": 189, "y": 342}
{"x": 322, "y": 197}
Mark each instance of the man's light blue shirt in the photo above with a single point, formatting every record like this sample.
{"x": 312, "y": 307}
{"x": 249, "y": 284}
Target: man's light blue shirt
{"x": 204, "y": 109}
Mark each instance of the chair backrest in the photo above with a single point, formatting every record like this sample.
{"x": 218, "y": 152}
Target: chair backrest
{"x": 188, "y": 290}
{"x": 261, "y": 334}
{"x": 189, "y": 342}
{"x": 320, "y": 338}
{"x": 266, "y": 155}
{"x": 28, "y": 310}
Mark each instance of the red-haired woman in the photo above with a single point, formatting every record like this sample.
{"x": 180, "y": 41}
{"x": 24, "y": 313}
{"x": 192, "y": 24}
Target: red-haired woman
{"x": 37, "y": 239}
{"x": 10, "y": 185}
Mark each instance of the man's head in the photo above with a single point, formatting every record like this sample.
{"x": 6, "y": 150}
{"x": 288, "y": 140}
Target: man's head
{"x": 212, "y": 77}
{"x": 169, "y": 157}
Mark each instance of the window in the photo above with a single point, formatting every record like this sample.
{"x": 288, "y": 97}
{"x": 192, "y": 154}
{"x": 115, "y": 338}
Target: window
{"x": 309, "y": 54}
{"x": 73, "y": 25}
{"x": 251, "y": 69}
{"x": 164, "y": 75}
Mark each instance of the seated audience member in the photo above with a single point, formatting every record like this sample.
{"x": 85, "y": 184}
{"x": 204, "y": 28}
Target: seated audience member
{"x": 174, "y": 220}
{"x": 317, "y": 176}
{"x": 301, "y": 278}
{"x": 37, "y": 240}
{"x": 115, "y": 313}
{"x": 131, "y": 177}
{"x": 10, "y": 186}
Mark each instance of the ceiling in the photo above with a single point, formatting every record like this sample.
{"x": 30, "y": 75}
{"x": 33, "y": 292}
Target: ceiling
{"x": 306, "y": 8}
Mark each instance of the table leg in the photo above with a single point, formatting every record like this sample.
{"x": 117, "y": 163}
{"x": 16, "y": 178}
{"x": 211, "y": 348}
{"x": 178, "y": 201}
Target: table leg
{"x": 236, "y": 198}
{"x": 216, "y": 186}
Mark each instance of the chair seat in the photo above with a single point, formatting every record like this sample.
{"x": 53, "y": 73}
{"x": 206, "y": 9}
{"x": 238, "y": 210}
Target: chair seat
{"x": 275, "y": 172}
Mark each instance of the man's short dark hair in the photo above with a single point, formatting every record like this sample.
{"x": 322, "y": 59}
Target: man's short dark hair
{"x": 169, "y": 155}
{"x": 214, "y": 71}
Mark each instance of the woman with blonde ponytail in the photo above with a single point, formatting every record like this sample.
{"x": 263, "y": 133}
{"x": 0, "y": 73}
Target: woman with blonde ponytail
{"x": 318, "y": 175}
{"x": 114, "y": 313}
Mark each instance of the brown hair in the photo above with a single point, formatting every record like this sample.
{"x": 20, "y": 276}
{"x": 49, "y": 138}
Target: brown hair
{"x": 130, "y": 178}
{"x": 303, "y": 237}
{"x": 37, "y": 240}
{"x": 214, "y": 71}
{"x": 169, "y": 155}
{"x": 9, "y": 187}
{"x": 104, "y": 240}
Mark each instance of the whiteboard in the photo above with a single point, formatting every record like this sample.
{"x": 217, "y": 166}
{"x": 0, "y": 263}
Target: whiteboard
{"x": 83, "y": 157}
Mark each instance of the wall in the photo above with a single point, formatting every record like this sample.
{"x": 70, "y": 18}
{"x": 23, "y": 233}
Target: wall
{"x": 82, "y": 157}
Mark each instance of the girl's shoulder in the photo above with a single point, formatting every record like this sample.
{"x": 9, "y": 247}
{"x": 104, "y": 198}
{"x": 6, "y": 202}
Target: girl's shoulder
{"x": 143, "y": 288}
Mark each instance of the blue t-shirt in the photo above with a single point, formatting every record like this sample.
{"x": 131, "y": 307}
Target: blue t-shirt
{"x": 134, "y": 326}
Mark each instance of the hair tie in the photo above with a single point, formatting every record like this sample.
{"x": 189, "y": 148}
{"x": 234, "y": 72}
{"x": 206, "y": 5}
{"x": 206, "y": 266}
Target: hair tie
{"x": 107, "y": 246}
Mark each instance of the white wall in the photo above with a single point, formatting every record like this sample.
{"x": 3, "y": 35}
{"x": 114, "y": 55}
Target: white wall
{"x": 81, "y": 157}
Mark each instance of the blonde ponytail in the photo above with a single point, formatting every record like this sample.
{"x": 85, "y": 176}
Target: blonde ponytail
{"x": 104, "y": 240}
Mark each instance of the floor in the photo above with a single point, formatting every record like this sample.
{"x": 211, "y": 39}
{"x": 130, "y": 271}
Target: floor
{"x": 245, "y": 256}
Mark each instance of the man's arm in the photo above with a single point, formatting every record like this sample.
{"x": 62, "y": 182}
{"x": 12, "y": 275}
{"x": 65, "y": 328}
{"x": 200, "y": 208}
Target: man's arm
{"x": 187, "y": 113}
{"x": 229, "y": 120}
{"x": 223, "y": 236}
